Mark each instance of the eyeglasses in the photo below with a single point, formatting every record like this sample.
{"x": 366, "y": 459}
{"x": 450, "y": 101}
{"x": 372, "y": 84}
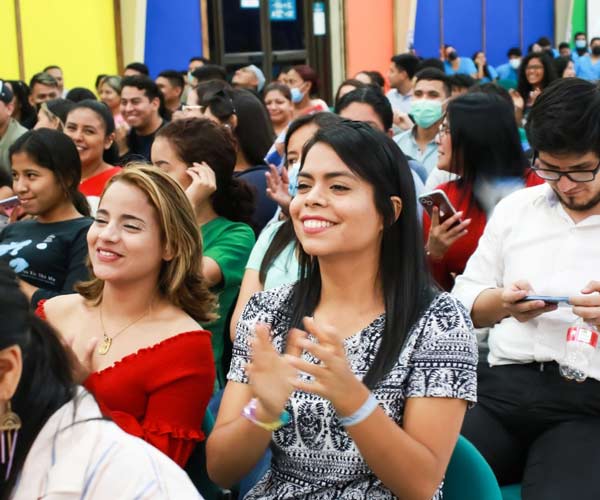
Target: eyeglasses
{"x": 534, "y": 67}
{"x": 444, "y": 129}
{"x": 555, "y": 175}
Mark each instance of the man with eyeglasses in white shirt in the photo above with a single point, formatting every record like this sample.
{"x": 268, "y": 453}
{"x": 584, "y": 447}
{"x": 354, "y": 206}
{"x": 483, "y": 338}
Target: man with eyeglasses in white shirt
{"x": 533, "y": 426}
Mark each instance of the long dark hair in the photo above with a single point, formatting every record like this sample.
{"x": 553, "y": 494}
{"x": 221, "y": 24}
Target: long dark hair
{"x": 483, "y": 148}
{"x": 486, "y": 70}
{"x": 55, "y": 151}
{"x": 28, "y": 112}
{"x": 285, "y": 234}
{"x": 200, "y": 140}
{"x": 46, "y": 383}
{"x": 406, "y": 284}
{"x": 523, "y": 86}
{"x": 110, "y": 155}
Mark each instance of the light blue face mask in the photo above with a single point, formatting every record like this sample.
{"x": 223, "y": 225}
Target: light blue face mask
{"x": 425, "y": 112}
{"x": 297, "y": 95}
{"x": 580, "y": 44}
{"x": 293, "y": 178}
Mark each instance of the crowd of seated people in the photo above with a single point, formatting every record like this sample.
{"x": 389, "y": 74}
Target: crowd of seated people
{"x": 218, "y": 286}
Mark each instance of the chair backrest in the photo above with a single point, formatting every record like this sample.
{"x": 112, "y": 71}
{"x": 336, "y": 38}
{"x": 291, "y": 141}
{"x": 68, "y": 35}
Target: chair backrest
{"x": 469, "y": 477}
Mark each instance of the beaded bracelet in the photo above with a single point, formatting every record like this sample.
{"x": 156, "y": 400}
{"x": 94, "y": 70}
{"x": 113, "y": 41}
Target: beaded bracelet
{"x": 362, "y": 413}
{"x": 249, "y": 412}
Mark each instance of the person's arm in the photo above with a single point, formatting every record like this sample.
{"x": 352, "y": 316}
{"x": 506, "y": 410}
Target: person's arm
{"x": 251, "y": 282}
{"x": 265, "y": 375}
{"x": 211, "y": 271}
{"x": 76, "y": 271}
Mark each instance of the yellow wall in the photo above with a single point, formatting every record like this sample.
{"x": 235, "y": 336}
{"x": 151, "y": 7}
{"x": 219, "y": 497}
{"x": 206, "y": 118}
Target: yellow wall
{"x": 77, "y": 35}
{"x": 9, "y": 59}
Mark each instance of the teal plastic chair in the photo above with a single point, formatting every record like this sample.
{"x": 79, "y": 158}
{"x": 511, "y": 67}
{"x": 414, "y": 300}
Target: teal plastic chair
{"x": 511, "y": 492}
{"x": 469, "y": 477}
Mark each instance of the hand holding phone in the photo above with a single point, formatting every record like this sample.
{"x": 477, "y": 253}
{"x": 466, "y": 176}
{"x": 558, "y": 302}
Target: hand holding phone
{"x": 446, "y": 224}
{"x": 7, "y": 205}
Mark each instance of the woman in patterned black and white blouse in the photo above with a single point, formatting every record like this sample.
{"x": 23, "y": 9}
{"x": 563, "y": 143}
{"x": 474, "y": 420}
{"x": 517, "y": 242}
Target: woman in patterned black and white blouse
{"x": 358, "y": 376}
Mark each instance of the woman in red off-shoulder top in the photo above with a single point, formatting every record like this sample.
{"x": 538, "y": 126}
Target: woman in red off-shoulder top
{"x": 134, "y": 328}
{"x": 479, "y": 141}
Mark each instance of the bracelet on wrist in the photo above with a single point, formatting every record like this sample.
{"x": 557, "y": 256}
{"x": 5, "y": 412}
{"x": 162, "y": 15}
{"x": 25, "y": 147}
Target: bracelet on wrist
{"x": 249, "y": 412}
{"x": 362, "y": 413}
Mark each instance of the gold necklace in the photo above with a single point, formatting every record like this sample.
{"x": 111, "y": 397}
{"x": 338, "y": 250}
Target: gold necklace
{"x": 108, "y": 340}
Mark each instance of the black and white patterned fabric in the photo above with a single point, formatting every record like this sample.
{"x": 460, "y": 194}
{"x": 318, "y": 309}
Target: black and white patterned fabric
{"x": 313, "y": 456}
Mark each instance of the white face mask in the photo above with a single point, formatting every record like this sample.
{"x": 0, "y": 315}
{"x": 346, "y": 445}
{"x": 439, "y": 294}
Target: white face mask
{"x": 515, "y": 63}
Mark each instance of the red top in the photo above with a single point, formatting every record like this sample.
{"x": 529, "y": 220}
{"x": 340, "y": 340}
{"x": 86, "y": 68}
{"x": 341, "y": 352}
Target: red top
{"x": 159, "y": 393}
{"x": 454, "y": 261}
{"x": 93, "y": 186}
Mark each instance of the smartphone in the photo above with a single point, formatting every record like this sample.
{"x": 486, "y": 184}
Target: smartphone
{"x": 9, "y": 204}
{"x": 437, "y": 198}
{"x": 546, "y": 298}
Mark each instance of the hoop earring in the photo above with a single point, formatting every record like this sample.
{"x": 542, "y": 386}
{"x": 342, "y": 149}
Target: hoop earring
{"x": 10, "y": 423}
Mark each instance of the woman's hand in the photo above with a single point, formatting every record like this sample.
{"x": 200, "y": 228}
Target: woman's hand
{"x": 402, "y": 120}
{"x": 121, "y": 138}
{"x": 278, "y": 187}
{"x": 81, "y": 367}
{"x": 204, "y": 184}
{"x": 271, "y": 375}
{"x": 518, "y": 101}
{"x": 442, "y": 236}
{"x": 332, "y": 378}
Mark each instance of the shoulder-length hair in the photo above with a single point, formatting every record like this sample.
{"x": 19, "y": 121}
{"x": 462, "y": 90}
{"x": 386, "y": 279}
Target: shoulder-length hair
{"x": 180, "y": 280}
{"x": 405, "y": 281}
{"x": 484, "y": 147}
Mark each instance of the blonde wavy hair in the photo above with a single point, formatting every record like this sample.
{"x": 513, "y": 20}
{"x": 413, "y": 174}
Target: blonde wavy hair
{"x": 180, "y": 280}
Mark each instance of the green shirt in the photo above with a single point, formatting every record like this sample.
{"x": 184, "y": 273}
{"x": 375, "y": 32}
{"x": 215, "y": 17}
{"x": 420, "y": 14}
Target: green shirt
{"x": 13, "y": 132}
{"x": 229, "y": 244}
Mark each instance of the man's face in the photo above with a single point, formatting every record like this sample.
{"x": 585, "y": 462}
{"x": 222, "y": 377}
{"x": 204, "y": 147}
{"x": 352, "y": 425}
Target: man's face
{"x": 6, "y": 111}
{"x": 171, "y": 92}
{"x": 575, "y": 196}
{"x": 396, "y": 76}
{"x": 565, "y": 52}
{"x": 245, "y": 78}
{"x": 58, "y": 76}
{"x": 429, "y": 89}
{"x": 136, "y": 108}
{"x": 41, "y": 93}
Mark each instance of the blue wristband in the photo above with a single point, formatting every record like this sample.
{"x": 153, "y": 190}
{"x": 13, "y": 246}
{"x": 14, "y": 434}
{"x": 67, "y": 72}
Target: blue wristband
{"x": 362, "y": 413}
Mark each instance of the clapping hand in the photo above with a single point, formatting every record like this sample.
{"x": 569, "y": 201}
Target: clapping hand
{"x": 271, "y": 375}
{"x": 332, "y": 378}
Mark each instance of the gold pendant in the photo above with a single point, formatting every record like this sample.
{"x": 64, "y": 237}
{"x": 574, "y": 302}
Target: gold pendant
{"x": 105, "y": 345}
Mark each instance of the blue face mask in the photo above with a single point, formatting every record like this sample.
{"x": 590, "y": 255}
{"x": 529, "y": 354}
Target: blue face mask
{"x": 297, "y": 95}
{"x": 425, "y": 112}
{"x": 580, "y": 44}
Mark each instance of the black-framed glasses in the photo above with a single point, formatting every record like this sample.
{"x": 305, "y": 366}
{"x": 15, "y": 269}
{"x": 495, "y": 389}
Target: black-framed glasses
{"x": 555, "y": 175}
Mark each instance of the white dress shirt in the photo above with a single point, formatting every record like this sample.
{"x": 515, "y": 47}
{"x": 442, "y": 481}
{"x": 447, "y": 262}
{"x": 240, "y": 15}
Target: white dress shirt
{"x": 80, "y": 454}
{"x": 530, "y": 237}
